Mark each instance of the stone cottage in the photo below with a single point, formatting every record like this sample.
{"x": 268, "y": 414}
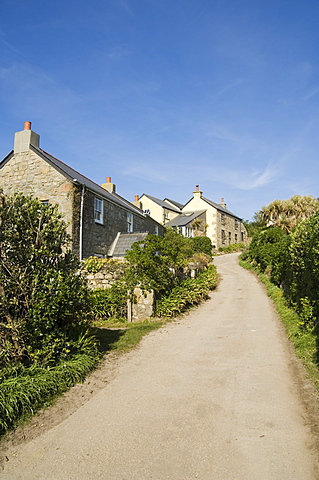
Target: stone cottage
{"x": 96, "y": 215}
{"x": 199, "y": 216}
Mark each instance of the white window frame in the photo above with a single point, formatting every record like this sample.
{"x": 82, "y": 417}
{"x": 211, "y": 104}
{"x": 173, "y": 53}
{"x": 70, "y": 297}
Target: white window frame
{"x": 98, "y": 210}
{"x": 130, "y": 222}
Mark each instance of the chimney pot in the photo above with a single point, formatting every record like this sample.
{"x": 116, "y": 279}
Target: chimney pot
{"x": 108, "y": 179}
{"x": 197, "y": 188}
{"x": 222, "y": 200}
{"x": 136, "y": 198}
{"x": 27, "y": 125}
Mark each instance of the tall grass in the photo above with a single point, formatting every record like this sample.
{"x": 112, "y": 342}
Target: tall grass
{"x": 22, "y": 395}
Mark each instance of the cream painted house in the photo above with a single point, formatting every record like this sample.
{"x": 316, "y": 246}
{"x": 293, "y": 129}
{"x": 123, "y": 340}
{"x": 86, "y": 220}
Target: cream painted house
{"x": 222, "y": 226}
{"x": 163, "y": 211}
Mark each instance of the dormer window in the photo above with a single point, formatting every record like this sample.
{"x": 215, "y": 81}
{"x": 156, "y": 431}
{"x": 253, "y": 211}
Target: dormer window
{"x": 98, "y": 210}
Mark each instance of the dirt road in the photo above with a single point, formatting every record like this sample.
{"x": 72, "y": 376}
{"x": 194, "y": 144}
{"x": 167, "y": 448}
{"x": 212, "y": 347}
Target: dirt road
{"x": 214, "y": 396}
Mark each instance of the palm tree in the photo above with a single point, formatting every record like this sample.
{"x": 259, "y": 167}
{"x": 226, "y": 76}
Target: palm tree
{"x": 286, "y": 214}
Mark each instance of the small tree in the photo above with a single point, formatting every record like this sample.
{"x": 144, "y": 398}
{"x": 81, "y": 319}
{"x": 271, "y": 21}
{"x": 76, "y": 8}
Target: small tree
{"x": 154, "y": 262}
{"x": 42, "y": 295}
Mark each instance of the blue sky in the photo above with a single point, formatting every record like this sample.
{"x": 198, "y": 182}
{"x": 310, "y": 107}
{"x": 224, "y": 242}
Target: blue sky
{"x": 163, "y": 95}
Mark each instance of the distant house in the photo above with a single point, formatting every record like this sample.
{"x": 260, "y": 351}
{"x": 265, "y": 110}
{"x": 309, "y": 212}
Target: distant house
{"x": 96, "y": 215}
{"x": 199, "y": 216}
{"x": 163, "y": 211}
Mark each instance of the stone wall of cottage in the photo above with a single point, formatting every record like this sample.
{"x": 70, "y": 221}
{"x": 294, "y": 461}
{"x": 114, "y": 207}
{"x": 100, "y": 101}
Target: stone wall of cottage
{"x": 97, "y": 238}
{"x": 229, "y": 230}
{"x": 27, "y": 173}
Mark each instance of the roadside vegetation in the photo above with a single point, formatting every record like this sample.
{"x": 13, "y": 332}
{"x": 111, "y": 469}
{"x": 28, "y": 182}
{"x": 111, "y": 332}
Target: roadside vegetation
{"x": 53, "y": 329}
{"x": 45, "y": 344}
{"x": 233, "y": 247}
{"x": 285, "y": 256}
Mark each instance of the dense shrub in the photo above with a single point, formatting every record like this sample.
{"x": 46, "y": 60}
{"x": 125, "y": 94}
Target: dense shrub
{"x": 155, "y": 261}
{"x": 234, "y": 247}
{"x": 268, "y": 250}
{"x": 302, "y": 269}
{"x": 43, "y": 297}
{"x": 189, "y": 292}
{"x": 202, "y": 245}
{"x": 110, "y": 302}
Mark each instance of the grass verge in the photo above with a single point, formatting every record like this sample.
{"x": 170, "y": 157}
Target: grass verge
{"x": 302, "y": 338}
{"x": 120, "y": 337}
{"x": 35, "y": 387}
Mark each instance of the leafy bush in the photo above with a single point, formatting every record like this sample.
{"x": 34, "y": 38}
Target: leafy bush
{"x": 110, "y": 302}
{"x": 268, "y": 250}
{"x": 189, "y": 292}
{"x": 155, "y": 261}
{"x": 43, "y": 296}
{"x": 301, "y": 273}
{"x": 95, "y": 264}
{"x": 202, "y": 245}
{"x": 234, "y": 247}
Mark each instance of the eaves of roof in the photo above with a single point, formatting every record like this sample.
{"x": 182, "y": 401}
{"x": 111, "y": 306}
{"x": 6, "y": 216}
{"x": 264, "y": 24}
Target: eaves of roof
{"x": 6, "y": 159}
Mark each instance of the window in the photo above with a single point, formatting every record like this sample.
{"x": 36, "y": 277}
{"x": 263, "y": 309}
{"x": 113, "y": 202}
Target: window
{"x": 156, "y": 229}
{"x": 223, "y": 219}
{"x": 129, "y": 222}
{"x": 45, "y": 202}
{"x": 236, "y": 238}
{"x": 98, "y": 210}
{"x": 242, "y": 236}
{"x": 223, "y": 236}
{"x": 236, "y": 223}
{"x": 229, "y": 238}
{"x": 188, "y": 232}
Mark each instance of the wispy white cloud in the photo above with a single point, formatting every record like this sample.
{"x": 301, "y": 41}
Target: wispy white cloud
{"x": 125, "y": 5}
{"x": 309, "y": 95}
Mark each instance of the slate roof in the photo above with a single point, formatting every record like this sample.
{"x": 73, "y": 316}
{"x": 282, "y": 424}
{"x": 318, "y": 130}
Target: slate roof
{"x": 177, "y": 204}
{"x": 78, "y": 178}
{"x": 162, "y": 203}
{"x": 184, "y": 218}
{"x": 218, "y": 207}
{"x": 124, "y": 242}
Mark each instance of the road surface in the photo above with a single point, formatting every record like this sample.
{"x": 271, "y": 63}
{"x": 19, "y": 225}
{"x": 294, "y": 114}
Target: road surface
{"x": 213, "y": 396}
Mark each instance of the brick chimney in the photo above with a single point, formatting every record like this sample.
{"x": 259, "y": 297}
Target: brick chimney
{"x": 197, "y": 193}
{"x": 23, "y": 140}
{"x": 136, "y": 202}
{"x": 109, "y": 186}
{"x": 222, "y": 203}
